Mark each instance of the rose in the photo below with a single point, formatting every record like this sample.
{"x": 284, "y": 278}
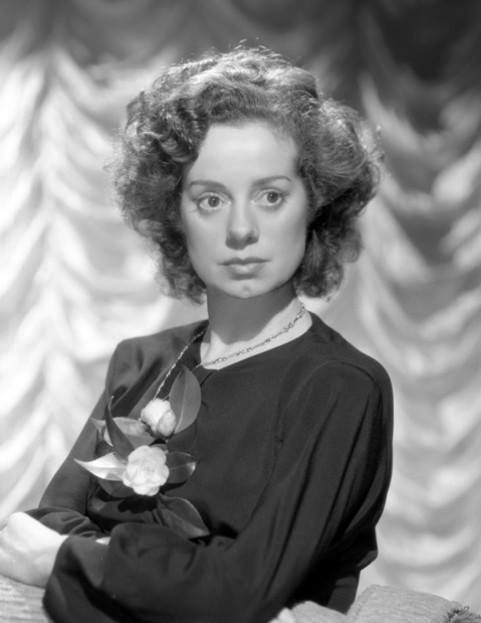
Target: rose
{"x": 159, "y": 417}
{"x": 146, "y": 470}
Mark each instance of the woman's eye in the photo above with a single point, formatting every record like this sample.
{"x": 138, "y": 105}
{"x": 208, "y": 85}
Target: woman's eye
{"x": 272, "y": 198}
{"x": 209, "y": 202}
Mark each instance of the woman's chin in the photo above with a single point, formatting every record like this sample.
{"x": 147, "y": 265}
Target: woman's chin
{"x": 247, "y": 290}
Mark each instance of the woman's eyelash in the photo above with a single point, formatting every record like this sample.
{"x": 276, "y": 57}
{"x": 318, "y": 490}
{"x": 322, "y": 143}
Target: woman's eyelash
{"x": 278, "y": 196}
{"x": 209, "y": 201}
{"x": 212, "y": 200}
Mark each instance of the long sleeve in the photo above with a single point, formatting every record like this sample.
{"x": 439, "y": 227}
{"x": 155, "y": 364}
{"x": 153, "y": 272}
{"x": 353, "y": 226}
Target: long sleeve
{"x": 64, "y": 503}
{"x": 317, "y": 511}
{"x": 132, "y": 373}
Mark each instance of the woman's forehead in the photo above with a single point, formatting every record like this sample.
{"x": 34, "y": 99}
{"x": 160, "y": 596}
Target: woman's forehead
{"x": 251, "y": 146}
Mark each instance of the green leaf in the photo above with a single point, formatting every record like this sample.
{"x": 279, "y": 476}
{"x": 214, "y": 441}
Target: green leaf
{"x": 135, "y": 431}
{"x": 182, "y": 517}
{"x": 115, "y": 488}
{"x": 109, "y": 466}
{"x": 103, "y": 437}
{"x": 185, "y": 399}
{"x": 181, "y": 467}
{"x": 130, "y": 426}
{"x": 102, "y": 448}
{"x": 98, "y": 424}
{"x": 121, "y": 444}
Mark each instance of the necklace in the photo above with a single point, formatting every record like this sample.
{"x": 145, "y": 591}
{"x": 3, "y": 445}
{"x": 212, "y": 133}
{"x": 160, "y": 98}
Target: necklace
{"x": 290, "y": 325}
{"x": 178, "y": 358}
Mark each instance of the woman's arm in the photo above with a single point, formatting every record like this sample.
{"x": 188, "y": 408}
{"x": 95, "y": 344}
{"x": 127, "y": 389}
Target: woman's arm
{"x": 64, "y": 503}
{"x": 319, "y": 510}
{"x": 134, "y": 367}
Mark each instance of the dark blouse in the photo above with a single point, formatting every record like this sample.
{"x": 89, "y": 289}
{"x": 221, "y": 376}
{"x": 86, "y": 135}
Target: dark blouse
{"x": 293, "y": 451}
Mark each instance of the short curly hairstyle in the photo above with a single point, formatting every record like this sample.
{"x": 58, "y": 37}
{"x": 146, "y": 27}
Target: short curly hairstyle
{"x": 166, "y": 124}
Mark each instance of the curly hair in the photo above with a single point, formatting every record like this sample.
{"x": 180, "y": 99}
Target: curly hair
{"x": 166, "y": 126}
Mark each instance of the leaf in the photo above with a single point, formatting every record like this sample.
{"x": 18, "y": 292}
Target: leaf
{"x": 182, "y": 517}
{"x": 108, "y": 466}
{"x": 120, "y": 442}
{"x": 103, "y": 436}
{"x": 176, "y": 459}
{"x": 181, "y": 467}
{"x": 144, "y": 440}
{"x": 115, "y": 488}
{"x": 135, "y": 431}
{"x": 102, "y": 448}
{"x": 99, "y": 424}
{"x": 185, "y": 399}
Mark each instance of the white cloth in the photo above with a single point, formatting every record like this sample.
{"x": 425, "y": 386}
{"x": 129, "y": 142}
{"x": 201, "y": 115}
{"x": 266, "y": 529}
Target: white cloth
{"x": 21, "y": 603}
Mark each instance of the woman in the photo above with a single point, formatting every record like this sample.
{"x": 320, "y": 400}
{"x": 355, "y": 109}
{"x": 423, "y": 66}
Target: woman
{"x": 249, "y": 182}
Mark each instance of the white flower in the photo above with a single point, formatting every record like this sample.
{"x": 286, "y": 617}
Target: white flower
{"x": 159, "y": 417}
{"x": 146, "y": 470}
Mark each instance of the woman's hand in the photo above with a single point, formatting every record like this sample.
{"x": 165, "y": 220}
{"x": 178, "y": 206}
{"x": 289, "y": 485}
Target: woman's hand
{"x": 28, "y": 549}
{"x": 284, "y": 616}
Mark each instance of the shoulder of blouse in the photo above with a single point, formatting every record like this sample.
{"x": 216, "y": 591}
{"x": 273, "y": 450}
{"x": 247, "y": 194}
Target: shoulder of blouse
{"x": 147, "y": 347}
{"x": 332, "y": 351}
{"x": 330, "y": 375}
{"x": 329, "y": 370}
{"x": 137, "y": 358}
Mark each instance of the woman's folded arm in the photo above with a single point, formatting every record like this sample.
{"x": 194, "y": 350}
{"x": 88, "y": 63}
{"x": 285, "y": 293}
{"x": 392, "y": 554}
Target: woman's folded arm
{"x": 322, "y": 502}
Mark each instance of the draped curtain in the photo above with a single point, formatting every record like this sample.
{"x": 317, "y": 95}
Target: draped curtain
{"x": 74, "y": 280}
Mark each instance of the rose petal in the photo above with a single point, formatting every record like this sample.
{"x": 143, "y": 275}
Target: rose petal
{"x": 146, "y": 470}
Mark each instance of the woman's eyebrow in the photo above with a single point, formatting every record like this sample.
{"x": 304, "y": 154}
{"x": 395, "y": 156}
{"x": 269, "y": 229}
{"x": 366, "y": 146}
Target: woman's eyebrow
{"x": 210, "y": 183}
{"x": 271, "y": 178}
{"x": 259, "y": 182}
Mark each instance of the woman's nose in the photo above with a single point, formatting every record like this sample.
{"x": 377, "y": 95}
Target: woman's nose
{"x": 242, "y": 227}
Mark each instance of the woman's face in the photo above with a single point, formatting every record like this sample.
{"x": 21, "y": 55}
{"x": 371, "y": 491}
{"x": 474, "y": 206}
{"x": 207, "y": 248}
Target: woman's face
{"x": 244, "y": 210}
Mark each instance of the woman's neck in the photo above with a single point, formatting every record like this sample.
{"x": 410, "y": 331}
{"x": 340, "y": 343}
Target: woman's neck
{"x": 236, "y": 323}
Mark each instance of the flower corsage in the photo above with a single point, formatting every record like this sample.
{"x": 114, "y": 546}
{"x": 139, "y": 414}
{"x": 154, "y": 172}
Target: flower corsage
{"x": 133, "y": 457}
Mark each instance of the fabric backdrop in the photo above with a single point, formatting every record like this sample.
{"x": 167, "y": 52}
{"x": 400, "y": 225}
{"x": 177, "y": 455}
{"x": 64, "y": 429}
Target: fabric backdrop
{"x": 74, "y": 280}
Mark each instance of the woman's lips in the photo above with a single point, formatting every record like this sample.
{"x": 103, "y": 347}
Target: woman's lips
{"x": 244, "y": 267}
{"x": 243, "y": 261}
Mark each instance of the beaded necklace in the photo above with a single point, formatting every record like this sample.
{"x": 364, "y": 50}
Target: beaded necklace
{"x": 290, "y": 325}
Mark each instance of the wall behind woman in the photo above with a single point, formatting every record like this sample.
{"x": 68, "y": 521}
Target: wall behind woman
{"x": 74, "y": 280}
